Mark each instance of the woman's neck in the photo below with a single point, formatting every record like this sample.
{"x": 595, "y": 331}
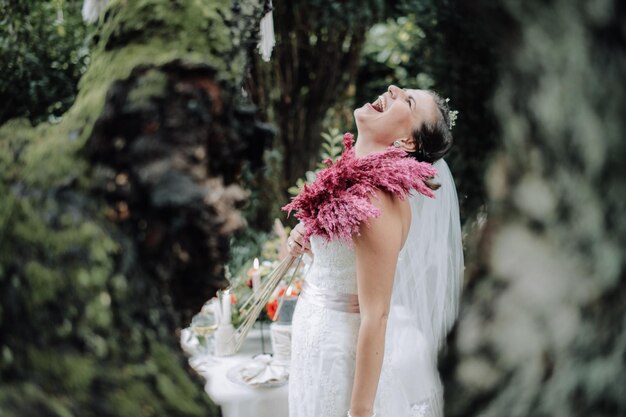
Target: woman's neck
{"x": 366, "y": 145}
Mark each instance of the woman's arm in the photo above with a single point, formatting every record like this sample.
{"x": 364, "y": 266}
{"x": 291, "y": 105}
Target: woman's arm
{"x": 377, "y": 250}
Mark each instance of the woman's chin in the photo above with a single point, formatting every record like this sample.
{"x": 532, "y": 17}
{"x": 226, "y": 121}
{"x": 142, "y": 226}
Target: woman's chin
{"x": 361, "y": 109}
{"x": 365, "y": 112}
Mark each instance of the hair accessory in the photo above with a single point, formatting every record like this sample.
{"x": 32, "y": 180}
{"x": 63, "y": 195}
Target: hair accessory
{"x": 452, "y": 115}
{"x": 396, "y": 143}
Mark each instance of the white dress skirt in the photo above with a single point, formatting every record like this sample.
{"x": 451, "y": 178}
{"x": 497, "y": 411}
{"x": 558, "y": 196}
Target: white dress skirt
{"x": 324, "y": 339}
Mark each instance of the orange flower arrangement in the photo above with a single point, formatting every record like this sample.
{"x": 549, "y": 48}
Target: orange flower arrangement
{"x": 272, "y": 305}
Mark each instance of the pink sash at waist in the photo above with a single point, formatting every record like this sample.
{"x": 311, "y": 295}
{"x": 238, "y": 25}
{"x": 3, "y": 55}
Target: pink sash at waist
{"x": 331, "y": 299}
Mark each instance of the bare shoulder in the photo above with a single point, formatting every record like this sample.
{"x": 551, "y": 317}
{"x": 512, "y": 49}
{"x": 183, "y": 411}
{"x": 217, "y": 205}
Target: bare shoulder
{"x": 389, "y": 227}
{"x": 385, "y": 201}
{"x": 392, "y": 206}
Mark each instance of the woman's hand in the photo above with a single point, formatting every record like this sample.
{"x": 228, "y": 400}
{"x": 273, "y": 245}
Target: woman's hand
{"x": 296, "y": 244}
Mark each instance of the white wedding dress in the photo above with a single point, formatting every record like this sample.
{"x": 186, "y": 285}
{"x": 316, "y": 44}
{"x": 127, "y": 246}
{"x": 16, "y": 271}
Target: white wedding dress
{"x": 424, "y": 304}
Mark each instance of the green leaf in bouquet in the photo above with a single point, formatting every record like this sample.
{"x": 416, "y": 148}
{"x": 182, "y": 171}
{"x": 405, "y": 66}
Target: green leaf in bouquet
{"x": 293, "y": 190}
{"x": 327, "y": 137}
{"x": 310, "y": 176}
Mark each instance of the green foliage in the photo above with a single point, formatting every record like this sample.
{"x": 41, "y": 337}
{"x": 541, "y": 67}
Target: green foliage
{"x": 390, "y": 56}
{"x": 313, "y": 67}
{"x": 153, "y": 84}
{"x": 266, "y": 195}
{"x": 245, "y": 246}
{"x": 447, "y": 47}
{"x": 331, "y": 149}
{"x": 43, "y": 53}
{"x": 332, "y": 146}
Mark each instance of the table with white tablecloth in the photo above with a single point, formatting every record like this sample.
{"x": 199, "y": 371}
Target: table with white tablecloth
{"x": 237, "y": 400}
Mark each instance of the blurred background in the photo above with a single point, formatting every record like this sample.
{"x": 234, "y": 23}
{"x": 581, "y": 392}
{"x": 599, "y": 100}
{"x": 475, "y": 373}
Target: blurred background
{"x": 146, "y": 144}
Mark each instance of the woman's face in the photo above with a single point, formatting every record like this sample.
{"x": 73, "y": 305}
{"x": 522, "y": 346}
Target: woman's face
{"x": 395, "y": 114}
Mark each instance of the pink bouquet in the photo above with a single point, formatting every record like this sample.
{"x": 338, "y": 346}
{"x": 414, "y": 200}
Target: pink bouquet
{"x": 338, "y": 201}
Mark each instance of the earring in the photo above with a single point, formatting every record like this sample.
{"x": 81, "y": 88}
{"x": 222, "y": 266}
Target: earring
{"x": 396, "y": 143}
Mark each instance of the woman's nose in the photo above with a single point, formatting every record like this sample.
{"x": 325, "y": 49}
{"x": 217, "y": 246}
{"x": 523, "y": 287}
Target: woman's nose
{"x": 394, "y": 91}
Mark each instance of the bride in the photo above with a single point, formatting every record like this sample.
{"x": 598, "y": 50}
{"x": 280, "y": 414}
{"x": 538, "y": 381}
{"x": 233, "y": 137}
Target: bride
{"x": 375, "y": 311}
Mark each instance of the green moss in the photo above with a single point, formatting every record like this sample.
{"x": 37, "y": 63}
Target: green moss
{"x": 133, "y": 400}
{"x": 151, "y": 84}
{"x": 65, "y": 371}
{"x": 153, "y": 32}
{"x": 29, "y": 400}
{"x": 172, "y": 395}
{"x": 135, "y": 34}
{"x": 148, "y": 389}
{"x": 44, "y": 282}
{"x": 169, "y": 364}
{"x": 60, "y": 258}
{"x": 98, "y": 312}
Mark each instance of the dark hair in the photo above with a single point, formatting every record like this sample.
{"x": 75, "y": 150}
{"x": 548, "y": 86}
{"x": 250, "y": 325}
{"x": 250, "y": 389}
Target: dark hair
{"x": 433, "y": 139}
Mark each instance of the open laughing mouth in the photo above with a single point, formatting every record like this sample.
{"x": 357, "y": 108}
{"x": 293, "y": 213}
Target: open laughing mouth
{"x": 380, "y": 105}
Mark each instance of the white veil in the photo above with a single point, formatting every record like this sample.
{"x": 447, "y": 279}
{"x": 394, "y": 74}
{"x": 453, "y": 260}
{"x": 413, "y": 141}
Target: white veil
{"x": 426, "y": 294}
{"x": 429, "y": 274}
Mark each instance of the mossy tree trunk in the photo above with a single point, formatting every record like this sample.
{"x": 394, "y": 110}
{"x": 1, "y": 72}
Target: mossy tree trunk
{"x": 543, "y": 328}
{"x": 115, "y": 223}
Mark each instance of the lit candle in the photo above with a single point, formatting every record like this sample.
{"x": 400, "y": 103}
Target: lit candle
{"x": 226, "y": 308}
{"x": 289, "y": 291}
{"x": 256, "y": 278}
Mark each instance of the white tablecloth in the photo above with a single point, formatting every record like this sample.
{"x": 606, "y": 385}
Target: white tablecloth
{"x": 237, "y": 400}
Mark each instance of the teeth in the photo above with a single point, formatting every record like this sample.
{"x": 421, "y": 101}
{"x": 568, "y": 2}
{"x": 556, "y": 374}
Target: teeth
{"x": 383, "y": 103}
{"x": 380, "y": 104}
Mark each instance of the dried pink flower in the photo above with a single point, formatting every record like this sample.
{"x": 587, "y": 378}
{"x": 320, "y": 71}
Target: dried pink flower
{"x": 339, "y": 200}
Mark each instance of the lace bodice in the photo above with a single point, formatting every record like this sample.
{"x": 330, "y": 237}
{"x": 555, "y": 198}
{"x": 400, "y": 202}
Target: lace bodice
{"x": 334, "y": 266}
